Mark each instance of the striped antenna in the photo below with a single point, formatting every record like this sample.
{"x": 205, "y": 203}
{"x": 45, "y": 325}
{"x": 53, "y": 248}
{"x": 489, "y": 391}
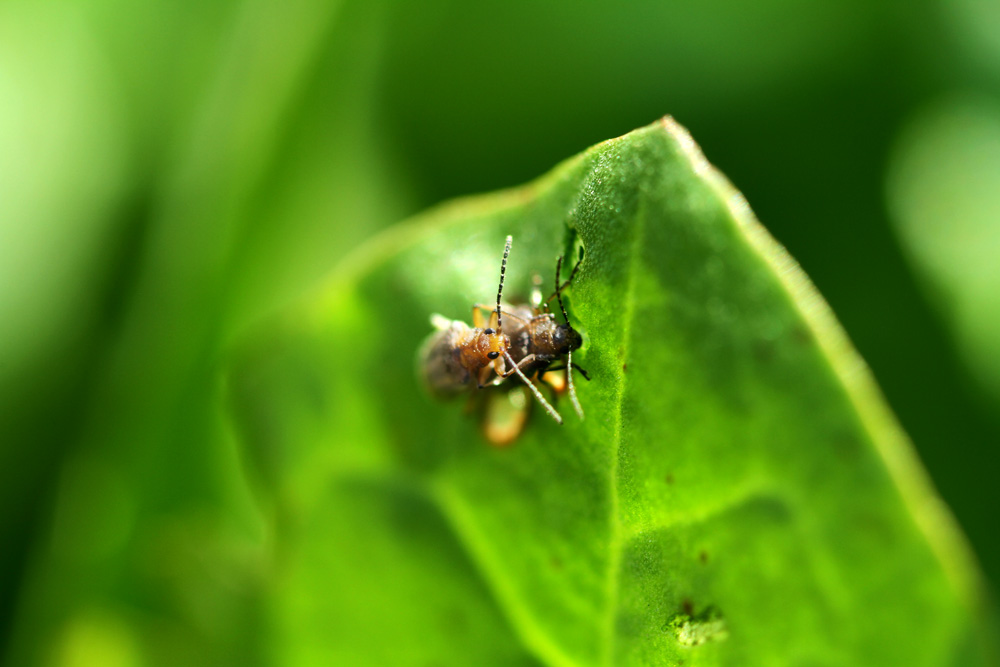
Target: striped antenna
{"x": 534, "y": 390}
{"x": 572, "y": 274}
{"x": 503, "y": 270}
{"x": 559, "y": 291}
{"x": 569, "y": 380}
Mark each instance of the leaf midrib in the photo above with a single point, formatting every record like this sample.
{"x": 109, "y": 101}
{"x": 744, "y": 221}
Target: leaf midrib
{"x": 615, "y": 529}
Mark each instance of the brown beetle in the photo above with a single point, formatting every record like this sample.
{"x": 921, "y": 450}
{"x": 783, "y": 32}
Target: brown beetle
{"x": 456, "y": 353}
{"x": 538, "y": 341}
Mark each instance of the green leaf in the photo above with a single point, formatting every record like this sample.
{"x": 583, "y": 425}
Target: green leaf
{"x": 737, "y": 494}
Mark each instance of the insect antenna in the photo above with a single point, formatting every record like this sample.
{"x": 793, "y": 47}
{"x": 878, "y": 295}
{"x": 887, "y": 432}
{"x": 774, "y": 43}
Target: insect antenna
{"x": 569, "y": 352}
{"x": 534, "y": 390}
{"x": 503, "y": 270}
{"x": 569, "y": 381}
{"x": 576, "y": 267}
{"x": 572, "y": 274}
{"x": 559, "y": 292}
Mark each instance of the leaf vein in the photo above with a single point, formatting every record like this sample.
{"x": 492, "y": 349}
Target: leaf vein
{"x": 615, "y": 539}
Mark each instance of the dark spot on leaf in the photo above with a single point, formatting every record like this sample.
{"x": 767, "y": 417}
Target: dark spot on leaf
{"x": 624, "y": 368}
{"x": 556, "y": 563}
{"x": 669, "y": 479}
{"x": 703, "y": 556}
{"x": 687, "y": 606}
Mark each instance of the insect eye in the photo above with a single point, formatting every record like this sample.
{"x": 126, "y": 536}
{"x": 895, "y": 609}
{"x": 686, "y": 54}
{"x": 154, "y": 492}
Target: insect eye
{"x": 493, "y": 355}
{"x": 489, "y": 332}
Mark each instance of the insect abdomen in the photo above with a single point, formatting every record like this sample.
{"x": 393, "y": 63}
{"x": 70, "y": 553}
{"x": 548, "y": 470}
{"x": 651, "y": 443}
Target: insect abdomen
{"x": 440, "y": 361}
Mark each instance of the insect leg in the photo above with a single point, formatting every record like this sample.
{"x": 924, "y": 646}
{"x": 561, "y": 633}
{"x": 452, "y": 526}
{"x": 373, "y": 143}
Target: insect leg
{"x": 503, "y": 375}
{"x": 492, "y": 311}
{"x": 483, "y": 374}
{"x": 577, "y": 366}
{"x": 534, "y": 390}
{"x": 524, "y": 362}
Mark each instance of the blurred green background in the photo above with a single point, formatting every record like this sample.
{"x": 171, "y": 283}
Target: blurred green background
{"x": 170, "y": 172}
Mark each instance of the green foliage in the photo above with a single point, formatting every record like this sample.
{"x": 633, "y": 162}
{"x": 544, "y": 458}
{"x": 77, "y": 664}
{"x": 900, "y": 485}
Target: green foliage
{"x": 737, "y": 494}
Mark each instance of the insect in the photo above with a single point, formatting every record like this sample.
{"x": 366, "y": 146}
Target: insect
{"x": 538, "y": 341}
{"x": 457, "y": 355}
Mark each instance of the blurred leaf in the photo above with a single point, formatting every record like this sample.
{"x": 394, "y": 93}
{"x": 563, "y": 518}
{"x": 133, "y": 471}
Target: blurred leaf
{"x": 60, "y": 178}
{"x": 944, "y": 189}
{"x": 977, "y": 31}
{"x": 738, "y": 493}
{"x": 62, "y": 168}
{"x": 235, "y": 154}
